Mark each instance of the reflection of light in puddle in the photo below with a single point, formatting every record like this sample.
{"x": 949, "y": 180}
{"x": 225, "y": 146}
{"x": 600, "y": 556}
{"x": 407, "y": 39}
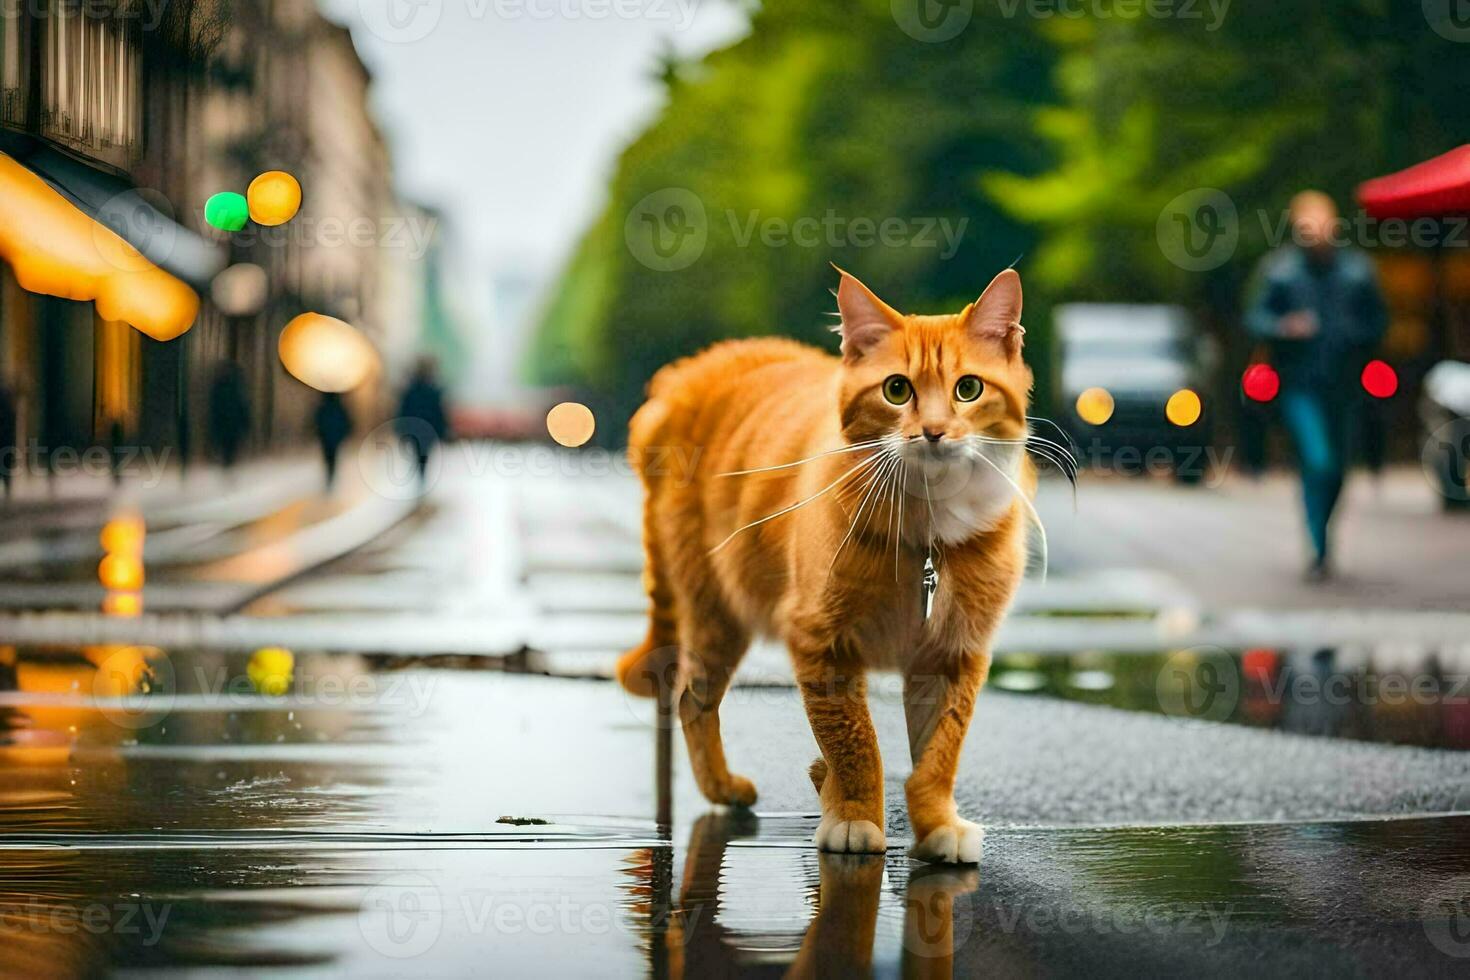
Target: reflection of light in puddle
{"x": 1019, "y": 680}
{"x": 1091, "y": 680}
{"x": 121, "y": 568}
{"x": 127, "y": 604}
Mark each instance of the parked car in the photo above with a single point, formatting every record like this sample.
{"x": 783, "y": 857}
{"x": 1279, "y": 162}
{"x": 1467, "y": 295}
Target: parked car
{"x": 1444, "y": 410}
{"x": 1135, "y": 387}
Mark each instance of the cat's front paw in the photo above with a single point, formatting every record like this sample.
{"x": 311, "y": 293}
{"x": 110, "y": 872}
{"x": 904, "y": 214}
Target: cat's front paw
{"x": 840, "y": 836}
{"x": 955, "y": 842}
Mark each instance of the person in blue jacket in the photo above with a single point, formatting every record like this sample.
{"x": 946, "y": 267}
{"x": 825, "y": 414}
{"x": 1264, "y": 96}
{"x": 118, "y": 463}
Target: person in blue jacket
{"x": 1315, "y": 301}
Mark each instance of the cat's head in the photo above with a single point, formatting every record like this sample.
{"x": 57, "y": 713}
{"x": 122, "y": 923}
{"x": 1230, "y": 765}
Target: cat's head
{"x": 934, "y": 381}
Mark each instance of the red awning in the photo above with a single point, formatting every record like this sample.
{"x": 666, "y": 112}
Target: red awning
{"x": 1433, "y": 188}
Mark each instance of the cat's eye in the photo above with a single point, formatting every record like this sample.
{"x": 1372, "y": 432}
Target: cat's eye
{"x": 897, "y": 390}
{"x": 968, "y": 388}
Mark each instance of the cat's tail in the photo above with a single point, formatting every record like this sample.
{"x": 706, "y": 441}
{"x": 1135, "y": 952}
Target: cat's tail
{"x": 654, "y": 662}
{"x": 643, "y": 669}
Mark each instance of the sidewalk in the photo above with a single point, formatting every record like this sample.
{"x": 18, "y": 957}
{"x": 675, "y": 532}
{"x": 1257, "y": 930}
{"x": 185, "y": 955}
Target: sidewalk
{"x": 1243, "y": 545}
{"x": 212, "y": 540}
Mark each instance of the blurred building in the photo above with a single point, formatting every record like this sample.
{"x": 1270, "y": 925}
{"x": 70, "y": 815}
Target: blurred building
{"x": 198, "y": 102}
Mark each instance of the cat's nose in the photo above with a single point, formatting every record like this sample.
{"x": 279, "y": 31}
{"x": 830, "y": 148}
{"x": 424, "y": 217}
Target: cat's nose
{"x": 933, "y": 435}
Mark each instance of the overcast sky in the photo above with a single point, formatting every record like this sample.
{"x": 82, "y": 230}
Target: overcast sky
{"x": 510, "y": 113}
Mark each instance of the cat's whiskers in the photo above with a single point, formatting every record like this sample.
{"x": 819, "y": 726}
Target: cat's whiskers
{"x": 872, "y": 486}
{"x": 855, "y": 447}
{"x": 893, "y": 492}
{"x": 902, "y": 483}
{"x": 882, "y": 491}
{"x": 1025, "y": 502}
{"x": 869, "y": 461}
{"x": 1053, "y": 452}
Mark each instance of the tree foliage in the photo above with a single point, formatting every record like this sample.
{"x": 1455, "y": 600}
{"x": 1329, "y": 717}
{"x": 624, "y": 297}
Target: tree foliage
{"x": 1055, "y": 139}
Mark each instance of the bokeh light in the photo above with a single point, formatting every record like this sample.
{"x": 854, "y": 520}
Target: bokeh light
{"x": 55, "y": 249}
{"x": 274, "y": 198}
{"x": 1184, "y": 408}
{"x": 1380, "y": 380}
{"x": 121, "y": 573}
{"x": 325, "y": 353}
{"x": 126, "y": 605}
{"x": 271, "y": 670}
{"x": 123, "y": 535}
{"x": 1260, "y": 383}
{"x": 571, "y": 424}
{"x": 240, "y": 290}
{"x": 1095, "y": 406}
{"x": 227, "y": 211}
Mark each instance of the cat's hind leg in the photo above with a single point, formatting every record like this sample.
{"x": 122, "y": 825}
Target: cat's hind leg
{"x": 712, "y": 643}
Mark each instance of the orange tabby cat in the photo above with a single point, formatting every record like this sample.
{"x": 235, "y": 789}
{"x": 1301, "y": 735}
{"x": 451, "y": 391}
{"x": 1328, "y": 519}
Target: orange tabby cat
{"x": 821, "y": 487}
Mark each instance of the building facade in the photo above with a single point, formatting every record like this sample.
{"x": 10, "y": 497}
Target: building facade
{"x": 184, "y": 100}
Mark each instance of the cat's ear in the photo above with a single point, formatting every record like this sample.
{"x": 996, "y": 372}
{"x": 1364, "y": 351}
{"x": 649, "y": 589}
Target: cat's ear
{"x": 867, "y": 321}
{"x": 996, "y": 315}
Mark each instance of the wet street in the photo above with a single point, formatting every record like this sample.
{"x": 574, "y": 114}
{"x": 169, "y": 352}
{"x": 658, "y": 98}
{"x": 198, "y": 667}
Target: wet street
{"x": 380, "y": 740}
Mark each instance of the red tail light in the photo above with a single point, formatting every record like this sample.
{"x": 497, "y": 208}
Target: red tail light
{"x": 1260, "y": 382}
{"x": 1379, "y": 379}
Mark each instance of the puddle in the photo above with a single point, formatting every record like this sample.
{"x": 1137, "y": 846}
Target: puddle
{"x": 1391, "y": 695}
{"x": 312, "y": 813}
{"x": 728, "y": 899}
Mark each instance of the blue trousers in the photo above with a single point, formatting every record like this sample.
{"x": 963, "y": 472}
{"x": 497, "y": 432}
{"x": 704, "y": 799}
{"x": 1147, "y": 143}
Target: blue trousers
{"x": 1316, "y": 426}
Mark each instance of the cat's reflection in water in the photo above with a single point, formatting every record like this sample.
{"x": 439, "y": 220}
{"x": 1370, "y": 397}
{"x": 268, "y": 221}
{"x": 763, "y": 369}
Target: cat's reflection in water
{"x": 840, "y": 938}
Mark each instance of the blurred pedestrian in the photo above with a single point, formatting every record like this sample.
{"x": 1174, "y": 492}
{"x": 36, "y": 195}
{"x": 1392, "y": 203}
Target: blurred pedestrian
{"x": 422, "y": 422}
{"x": 229, "y": 413}
{"x": 333, "y": 426}
{"x": 1316, "y": 303}
{"x": 8, "y": 436}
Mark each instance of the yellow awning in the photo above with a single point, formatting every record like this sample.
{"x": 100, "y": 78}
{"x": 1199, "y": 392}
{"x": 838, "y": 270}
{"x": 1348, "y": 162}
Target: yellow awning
{"x": 56, "y": 249}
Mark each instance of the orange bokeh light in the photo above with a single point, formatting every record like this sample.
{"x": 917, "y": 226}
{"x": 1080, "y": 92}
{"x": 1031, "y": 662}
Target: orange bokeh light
{"x": 121, "y": 573}
{"x": 123, "y": 535}
{"x": 55, "y": 249}
{"x": 326, "y": 353}
{"x": 274, "y": 198}
{"x": 571, "y": 424}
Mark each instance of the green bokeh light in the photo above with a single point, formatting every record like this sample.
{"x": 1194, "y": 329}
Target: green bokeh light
{"x": 227, "y": 211}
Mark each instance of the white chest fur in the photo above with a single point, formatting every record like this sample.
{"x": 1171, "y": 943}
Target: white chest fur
{"x": 966, "y": 494}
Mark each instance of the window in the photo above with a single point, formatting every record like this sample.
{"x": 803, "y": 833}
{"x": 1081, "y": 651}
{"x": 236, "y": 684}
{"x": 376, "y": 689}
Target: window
{"x": 91, "y": 81}
{"x": 14, "y": 67}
